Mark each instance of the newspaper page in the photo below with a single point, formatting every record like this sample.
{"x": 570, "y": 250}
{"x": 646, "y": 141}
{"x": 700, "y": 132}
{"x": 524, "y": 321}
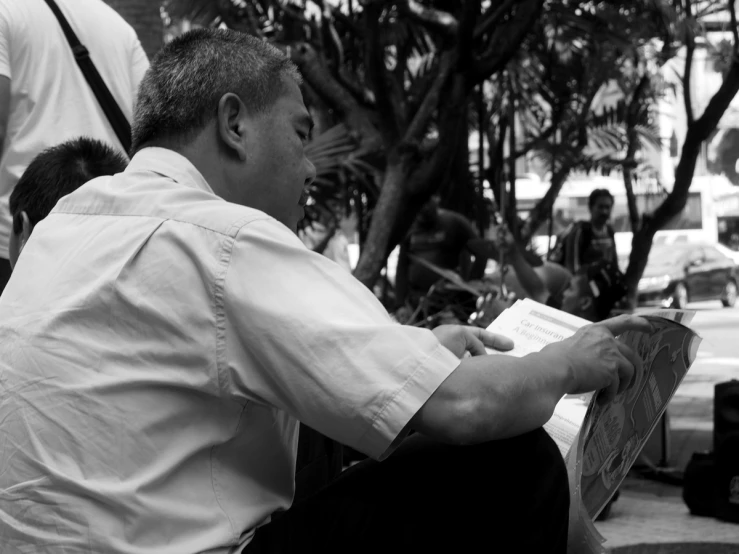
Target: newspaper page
{"x": 600, "y": 443}
{"x": 532, "y": 326}
{"x": 680, "y": 316}
{"x": 619, "y": 430}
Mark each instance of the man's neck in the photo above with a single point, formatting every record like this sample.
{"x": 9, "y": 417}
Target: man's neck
{"x": 599, "y": 228}
{"x": 206, "y": 160}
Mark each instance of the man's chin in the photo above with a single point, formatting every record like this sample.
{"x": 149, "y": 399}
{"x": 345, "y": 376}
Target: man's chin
{"x": 300, "y": 215}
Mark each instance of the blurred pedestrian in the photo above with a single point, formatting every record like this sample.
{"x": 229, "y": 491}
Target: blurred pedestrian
{"x": 588, "y": 242}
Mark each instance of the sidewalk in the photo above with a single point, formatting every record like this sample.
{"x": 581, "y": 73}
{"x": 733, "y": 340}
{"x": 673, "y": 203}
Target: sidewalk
{"x": 650, "y": 517}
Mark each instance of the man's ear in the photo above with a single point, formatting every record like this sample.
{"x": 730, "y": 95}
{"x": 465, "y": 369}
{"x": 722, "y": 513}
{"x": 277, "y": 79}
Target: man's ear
{"x": 232, "y": 124}
{"x": 26, "y": 229}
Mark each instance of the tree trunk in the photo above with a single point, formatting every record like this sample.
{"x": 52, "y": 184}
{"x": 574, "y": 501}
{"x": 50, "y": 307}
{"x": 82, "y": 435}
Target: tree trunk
{"x": 543, "y": 209}
{"x": 641, "y": 243}
{"x": 146, "y": 19}
{"x": 627, "y": 168}
{"x": 632, "y": 119}
{"x": 385, "y": 214}
{"x": 409, "y": 181}
{"x": 631, "y": 200}
{"x": 698, "y": 131}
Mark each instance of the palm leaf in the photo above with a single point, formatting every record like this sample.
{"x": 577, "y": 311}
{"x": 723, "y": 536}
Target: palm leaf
{"x": 332, "y": 154}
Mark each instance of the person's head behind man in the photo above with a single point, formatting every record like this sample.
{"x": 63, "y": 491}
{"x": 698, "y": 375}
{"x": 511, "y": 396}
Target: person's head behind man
{"x": 578, "y": 299}
{"x": 54, "y": 173}
{"x": 232, "y": 105}
{"x": 600, "y": 203}
{"x": 428, "y": 215}
{"x": 590, "y": 294}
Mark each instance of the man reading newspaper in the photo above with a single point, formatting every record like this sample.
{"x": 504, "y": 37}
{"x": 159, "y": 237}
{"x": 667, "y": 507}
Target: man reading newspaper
{"x": 165, "y": 330}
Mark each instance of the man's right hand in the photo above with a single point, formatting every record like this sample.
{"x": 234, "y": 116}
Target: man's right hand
{"x": 596, "y": 360}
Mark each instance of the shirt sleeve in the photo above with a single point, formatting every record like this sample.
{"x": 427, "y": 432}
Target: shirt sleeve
{"x": 304, "y": 336}
{"x": 5, "y": 69}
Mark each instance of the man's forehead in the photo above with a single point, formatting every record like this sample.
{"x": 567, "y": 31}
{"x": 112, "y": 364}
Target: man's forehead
{"x": 292, "y": 103}
{"x": 604, "y": 200}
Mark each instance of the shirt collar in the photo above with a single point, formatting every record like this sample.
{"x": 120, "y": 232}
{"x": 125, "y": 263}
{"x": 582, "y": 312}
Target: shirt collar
{"x": 170, "y": 164}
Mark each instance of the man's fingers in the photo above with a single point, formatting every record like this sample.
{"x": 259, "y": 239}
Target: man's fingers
{"x": 609, "y": 393}
{"x": 474, "y": 345}
{"x": 492, "y": 340}
{"x": 623, "y": 323}
{"x": 633, "y": 366}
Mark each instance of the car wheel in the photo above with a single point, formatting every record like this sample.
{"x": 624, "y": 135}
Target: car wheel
{"x": 728, "y": 297}
{"x": 679, "y": 297}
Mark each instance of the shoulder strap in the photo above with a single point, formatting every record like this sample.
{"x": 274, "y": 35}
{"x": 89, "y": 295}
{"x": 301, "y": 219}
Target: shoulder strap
{"x": 587, "y": 230}
{"x": 112, "y": 110}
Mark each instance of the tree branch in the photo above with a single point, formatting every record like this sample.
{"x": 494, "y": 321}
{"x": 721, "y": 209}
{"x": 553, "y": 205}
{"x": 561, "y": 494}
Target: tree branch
{"x": 629, "y": 162}
{"x": 505, "y": 43}
{"x": 718, "y": 104}
{"x": 697, "y": 133}
{"x": 415, "y": 131}
{"x": 492, "y": 19}
{"x": 349, "y": 82}
{"x": 495, "y": 156}
{"x": 537, "y": 140}
{"x": 375, "y": 64}
{"x": 689, "y": 49}
{"x": 374, "y": 3}
{"x": 357, "y": 118}
{"x": 570, "y": 153}
{"x": 452, "y": 125}
{"x": 431, "y": 18}
{"x": 734, "y": 30}
{"x": 543, "y": 207}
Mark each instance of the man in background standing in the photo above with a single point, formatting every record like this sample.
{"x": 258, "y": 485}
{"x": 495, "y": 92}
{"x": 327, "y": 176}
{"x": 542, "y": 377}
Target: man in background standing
{"x": 44, "y": 97}
{"x": 590, "y": 242}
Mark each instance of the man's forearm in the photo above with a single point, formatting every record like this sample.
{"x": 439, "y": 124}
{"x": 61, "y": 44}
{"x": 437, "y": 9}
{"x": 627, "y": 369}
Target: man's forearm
{"x": 494, "y": 397}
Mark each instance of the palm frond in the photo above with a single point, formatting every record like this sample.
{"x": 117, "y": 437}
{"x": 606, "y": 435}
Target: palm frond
{"x": 332, "y": 154}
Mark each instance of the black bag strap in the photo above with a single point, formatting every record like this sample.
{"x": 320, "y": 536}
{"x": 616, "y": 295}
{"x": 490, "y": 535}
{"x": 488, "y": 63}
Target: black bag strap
{"x": 112, "y": 110}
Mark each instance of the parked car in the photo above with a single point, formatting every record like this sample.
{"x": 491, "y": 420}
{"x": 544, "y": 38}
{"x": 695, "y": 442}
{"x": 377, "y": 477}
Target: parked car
{"x": 680, "y": 273}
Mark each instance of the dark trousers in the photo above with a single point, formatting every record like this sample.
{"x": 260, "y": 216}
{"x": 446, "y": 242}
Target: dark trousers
{"x": 320, "y": 461}
{"x": 502, "y": 496}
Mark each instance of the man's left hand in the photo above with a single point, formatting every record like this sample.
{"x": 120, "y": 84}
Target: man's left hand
{"x": 460, "y": 339}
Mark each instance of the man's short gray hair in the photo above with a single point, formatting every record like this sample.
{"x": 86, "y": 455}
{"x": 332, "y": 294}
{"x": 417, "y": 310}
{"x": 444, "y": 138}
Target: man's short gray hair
{"x": 180, "y": 92}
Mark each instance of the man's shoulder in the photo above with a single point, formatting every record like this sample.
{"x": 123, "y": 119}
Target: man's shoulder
{"x": 122, "y": 196}
{"x": 452, "y": 216}
{"x": 455, "y": 221}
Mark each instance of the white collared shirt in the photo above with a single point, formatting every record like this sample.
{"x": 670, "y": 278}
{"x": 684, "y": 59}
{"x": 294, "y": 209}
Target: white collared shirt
{"x": 50, "y": 99}
{"x": 157, "y": 344}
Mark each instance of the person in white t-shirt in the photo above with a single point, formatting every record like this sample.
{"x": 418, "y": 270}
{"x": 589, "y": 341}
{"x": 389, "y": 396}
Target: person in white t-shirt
{"x": 165, "y": 330}
{"x": 44, "y": 97}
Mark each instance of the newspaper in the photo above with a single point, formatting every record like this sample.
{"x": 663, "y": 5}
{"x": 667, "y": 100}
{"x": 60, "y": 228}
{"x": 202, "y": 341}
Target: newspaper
{"x": 600, "y": 443}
